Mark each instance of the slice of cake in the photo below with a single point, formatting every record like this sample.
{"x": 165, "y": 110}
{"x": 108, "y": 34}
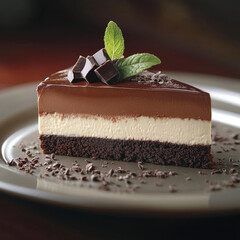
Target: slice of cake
{"x": 109, "y": 107}
{"x": 148, "y": 118}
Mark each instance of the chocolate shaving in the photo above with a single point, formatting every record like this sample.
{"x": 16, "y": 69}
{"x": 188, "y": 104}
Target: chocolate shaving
{"x": 228, "y": 184}
{"x": 235, "y": 179}
{"x": 216, "y": 187}
{"x": 110, "y": 173}
{"x": 233, "y": 171}
{"x": 89, "y": 167}
{"x": 235, "y": 136}
{"x": 84, "y": 178}
{"x": 216, "y": 171}
{"x": 120, "y": 170}
{"x": 162, "y": 174}
{"x": 95, "y": 178}
{"x": 12, "y": 163}
{"x": 140, "y": 166}
{"x": 172, "y": 173}
{"x": 172, "y": 188}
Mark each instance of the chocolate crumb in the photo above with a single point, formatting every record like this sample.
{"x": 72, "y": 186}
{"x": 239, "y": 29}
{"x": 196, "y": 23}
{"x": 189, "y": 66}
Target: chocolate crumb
{"x": 89, "y": 167}
{"x": 133, "y": 174}
{"x": 161, "y": 174}
{"x": 142, "y": 181}
{"x": 73, "y": 178}
{"x": 95, "y": 178}
{"x": 103, "y": 187}
{"x": 67, "y": 172}
{"x": 128, "y": 182}
{"x": 216, "y": 171}
{"x": 188, "y": 179}
{"x": 76, "y": 168}
{"x": 110, "y": 173}
{"x": 96, "y": 172}
{"x": 56, "y": 165}
{"x": 52, "y": 156}
{"x": 172, "y": 188}
{"x": 235, "y": 179}
{"x": 12, "y": 163}
{"x": 216, "y": 187}
{"x": 120, "y": 178}
{"x": 147, "y": 174}
{"x": 140, "y": 166}
{"x": 224, "y": 149}
{"x": 82, "y": 172}
{"x": 172, "y": 173}
{"x": 84, "y": 178}
{"x": 233, "y": 171}
{"x": 236, "y": 165}
{"x": 120, "y": 170}
{"x": 235, "y": 136}
{"x": 229, "y": 184}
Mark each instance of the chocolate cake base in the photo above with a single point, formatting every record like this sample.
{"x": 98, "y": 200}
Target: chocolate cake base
{"x": 197, "y": 156}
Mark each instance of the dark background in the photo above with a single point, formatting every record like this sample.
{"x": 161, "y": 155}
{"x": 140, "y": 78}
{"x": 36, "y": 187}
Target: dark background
{"x": 40, "y": 37}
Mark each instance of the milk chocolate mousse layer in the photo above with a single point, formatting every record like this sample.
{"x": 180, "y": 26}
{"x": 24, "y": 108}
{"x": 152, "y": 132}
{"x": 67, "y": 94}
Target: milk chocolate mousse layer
{"x": 144, "y": 95}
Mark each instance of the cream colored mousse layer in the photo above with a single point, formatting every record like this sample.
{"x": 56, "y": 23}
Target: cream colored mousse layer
{"x": 173, "y": 130}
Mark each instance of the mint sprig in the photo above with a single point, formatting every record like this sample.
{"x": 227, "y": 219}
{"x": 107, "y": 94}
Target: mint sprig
{"x": 113, "y": 40}
{"x": 136, "y": 64}
{"x": 131, "y": 66}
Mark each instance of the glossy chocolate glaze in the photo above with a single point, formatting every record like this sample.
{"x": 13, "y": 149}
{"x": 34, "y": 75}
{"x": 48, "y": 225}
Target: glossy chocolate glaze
{"x": 139, "y": 96}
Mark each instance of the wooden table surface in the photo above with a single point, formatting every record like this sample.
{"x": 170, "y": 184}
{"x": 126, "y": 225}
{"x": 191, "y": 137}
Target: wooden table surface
{"x": 24, "y": 62}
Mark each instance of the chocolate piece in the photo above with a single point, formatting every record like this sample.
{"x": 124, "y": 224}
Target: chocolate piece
{"x": 101, "y": 56}
{"x": 88, "y": 70}
{"x": 92, "y": 62}
{"x": 75, "y": 73}
{"x": 108, "y": 73}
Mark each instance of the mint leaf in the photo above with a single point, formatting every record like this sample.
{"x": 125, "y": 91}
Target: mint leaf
{"x": 113, "y": 40}
{"x": 136, "y": 64}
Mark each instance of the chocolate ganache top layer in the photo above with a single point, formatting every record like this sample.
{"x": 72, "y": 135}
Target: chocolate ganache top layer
{"x": 147, "y": 94}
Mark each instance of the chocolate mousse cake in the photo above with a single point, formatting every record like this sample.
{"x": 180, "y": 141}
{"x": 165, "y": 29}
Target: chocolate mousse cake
{"x": 148, "y": 118}
{"x": 110, "y": 107}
